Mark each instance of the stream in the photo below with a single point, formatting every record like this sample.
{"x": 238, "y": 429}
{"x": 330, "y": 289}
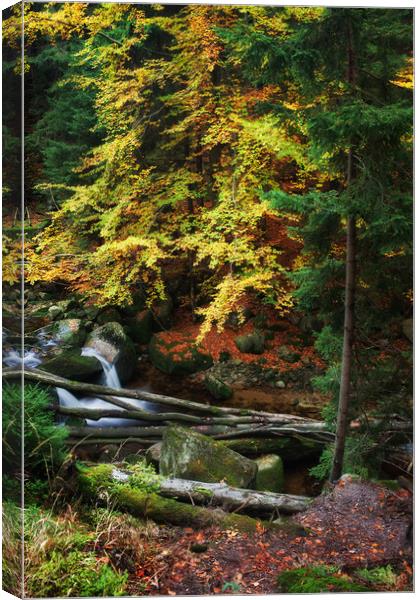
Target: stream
{"x": 40, "y": 346}
{"x": 33, "y": 357}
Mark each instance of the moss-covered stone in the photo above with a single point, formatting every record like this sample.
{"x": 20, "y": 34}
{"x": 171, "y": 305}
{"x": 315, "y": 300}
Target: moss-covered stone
{"x": 111, "y": 342}
{"x": 71, "y": 365}
{"x": 177, "y": 357}
{"x": 217, "y": 388}
{"x": 191, "y": 455}
{"x": 270, "y": 474}
{"x": 251, "y": 343}
{"x": 152, "y": 454}
{"x": 70, "y": 332}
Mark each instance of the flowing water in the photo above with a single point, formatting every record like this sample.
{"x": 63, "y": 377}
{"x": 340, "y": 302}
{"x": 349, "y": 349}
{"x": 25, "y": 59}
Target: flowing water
{"x": 33, "y": 357}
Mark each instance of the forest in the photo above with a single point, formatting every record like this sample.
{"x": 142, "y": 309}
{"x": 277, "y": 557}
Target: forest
{"x": 207, "y": 299}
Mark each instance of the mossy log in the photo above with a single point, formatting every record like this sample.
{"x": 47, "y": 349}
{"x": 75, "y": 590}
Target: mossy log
{"x": 233, "y": 498}
{"x": 98, "y": 482}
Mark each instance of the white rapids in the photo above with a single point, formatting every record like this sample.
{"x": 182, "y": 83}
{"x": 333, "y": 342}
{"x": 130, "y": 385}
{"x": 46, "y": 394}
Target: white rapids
{"x": 109, "y": 379}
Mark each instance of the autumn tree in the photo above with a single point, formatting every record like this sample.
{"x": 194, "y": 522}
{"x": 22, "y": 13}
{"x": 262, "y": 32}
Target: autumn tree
{"x": 352, "y": 68}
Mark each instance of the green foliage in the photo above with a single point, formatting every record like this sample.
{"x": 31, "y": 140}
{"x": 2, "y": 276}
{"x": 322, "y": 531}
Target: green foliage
{"x": 144, "y": 476}
{"x": 231, "y": 586}
{"x": 362, "y": 457}
{"x": 75, "y": 574}
{"x": 44, "y": 442}
{"x": 379, "y": 575}
{"x": 317, "y": 579}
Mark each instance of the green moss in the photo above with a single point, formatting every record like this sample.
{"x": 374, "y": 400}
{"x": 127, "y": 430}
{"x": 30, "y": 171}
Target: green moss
{"x": 162, "y": 510}
{"x": 317, "y": 579}
{"x": 378, "y": 575}
{"x": 76, "y": 574}
{"x": 191, "y": 455}
{"x": 252, "y": 343}
{"x": 270, "y": 474}
{"x": 217, "y": 388}
{"x": 72, "y": 365}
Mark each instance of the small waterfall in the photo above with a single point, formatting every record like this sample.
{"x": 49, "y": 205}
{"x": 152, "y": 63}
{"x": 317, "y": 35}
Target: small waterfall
{"x": 66, "y": 398}
{"x": 34, "y": 357}
{"x": 111, "y": 378}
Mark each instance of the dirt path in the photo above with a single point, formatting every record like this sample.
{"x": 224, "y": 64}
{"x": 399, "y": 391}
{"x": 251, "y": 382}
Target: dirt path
{"x": 356, "y": 525}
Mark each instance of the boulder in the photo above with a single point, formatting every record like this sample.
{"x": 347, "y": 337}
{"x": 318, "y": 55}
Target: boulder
{"x": 71, "y": 365}
{"x": 141, "y": 326}
{"x": 191, "y": 455}
{"x": 111, "y": 342}
{"x": 288, "y": 355}
{"x": 270, "y": 474}
{"x": 152, "y": 455}
{"x": 217, "y": 388}
{"x": 180, "y": 357}
{"x": 251, "y": 343}
{"x": 70, "y": 332}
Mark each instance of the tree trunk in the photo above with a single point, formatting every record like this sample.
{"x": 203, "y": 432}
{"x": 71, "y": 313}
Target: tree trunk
{"x": 93, "y": 481}
{"x": 345, "y": 382}
{"x": 233, "y": 498}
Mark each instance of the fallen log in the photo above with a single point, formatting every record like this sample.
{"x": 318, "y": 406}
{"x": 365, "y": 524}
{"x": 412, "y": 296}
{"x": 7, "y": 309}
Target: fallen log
{"x": 98, "y": 483}
{"x": 233, "y": 498}
{"x": 131, "y": 412}
{"x": 122, "y": 431}
{"x": 108, "y": 393}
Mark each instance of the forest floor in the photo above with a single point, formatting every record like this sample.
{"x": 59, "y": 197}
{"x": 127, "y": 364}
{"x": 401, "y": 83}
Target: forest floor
{"x": 358, "y": 525}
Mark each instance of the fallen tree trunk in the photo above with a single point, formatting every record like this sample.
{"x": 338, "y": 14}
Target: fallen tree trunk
{"x": 131, "y": 412}
{"x": 120, "y": 431}
{"x": 233, "y": 498}
{"x": 94, "y": 481}
{"x": 108, "y": 393}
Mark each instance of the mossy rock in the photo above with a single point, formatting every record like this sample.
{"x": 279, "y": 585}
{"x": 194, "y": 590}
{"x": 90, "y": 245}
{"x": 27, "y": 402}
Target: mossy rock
{"x": 70, "y": 332}
{"x": 270, "y": 474}
{"x": 316, "y": 580}
{"x": 111, "y": 342}
{"x": 288, "y": 355}
{"x": 218, "y": 388}
{"x": 141, "y": 326}
{"x": 191, "y": 455}
{"x": 177, "y": 357}
{"x": 71, "y": 365}
{"x": 152, "y": 455}
{"x": 251, "y": 343}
